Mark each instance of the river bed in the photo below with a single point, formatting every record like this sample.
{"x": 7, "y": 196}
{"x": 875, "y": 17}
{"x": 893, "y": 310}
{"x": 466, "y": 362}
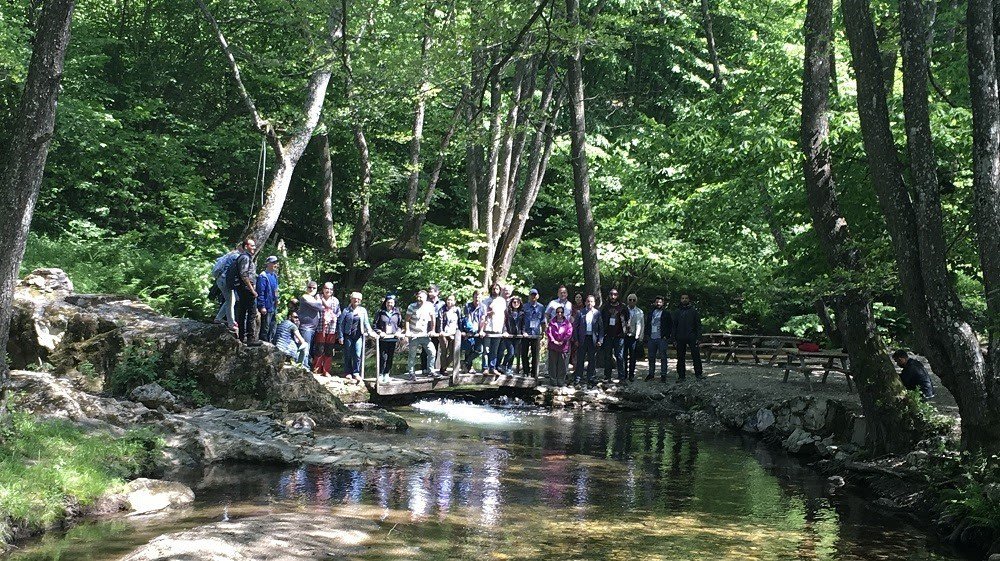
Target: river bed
{"x": 511, "y": 482}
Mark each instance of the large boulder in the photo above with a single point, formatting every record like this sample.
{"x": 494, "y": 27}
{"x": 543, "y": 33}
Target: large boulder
{"x": 274, "y": 537}
{"x": 86, "y": 337}
{"x": 146, "y": 496}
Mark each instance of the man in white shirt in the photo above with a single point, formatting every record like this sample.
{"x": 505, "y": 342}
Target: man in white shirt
{"x": 562, "y": 301}
{"x": 493, "y": 324}
{"x": 633, "y": 336}
{"x": 419, "y": 324}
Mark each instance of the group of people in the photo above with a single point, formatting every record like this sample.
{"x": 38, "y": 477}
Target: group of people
{"x": 501, "y": 330}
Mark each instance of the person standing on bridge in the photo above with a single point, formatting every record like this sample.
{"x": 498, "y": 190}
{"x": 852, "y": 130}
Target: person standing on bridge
{"x": 559, "y": 334}
{"x": 687, "y": 332}
{"x": 388, "y": 325}
{"x": 419, "y": 326}
{"x": 353, "y": 327}
{"x": 534, "y": 323}
{"x": 588, "y": 330}
{"x": 493, "y": 326}
{"x": 449, "y": 320}
{"x": 472, "y": 325}
{"x": 513, "y": 326}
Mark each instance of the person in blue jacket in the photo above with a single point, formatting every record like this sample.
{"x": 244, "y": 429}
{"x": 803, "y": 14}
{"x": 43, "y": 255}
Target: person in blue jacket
{"x": 588, "y": 330}
{"x": 267, "y": 298}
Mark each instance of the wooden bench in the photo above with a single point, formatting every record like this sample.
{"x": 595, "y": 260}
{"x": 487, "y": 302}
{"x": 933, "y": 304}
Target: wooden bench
{"x": 805, "y": 362}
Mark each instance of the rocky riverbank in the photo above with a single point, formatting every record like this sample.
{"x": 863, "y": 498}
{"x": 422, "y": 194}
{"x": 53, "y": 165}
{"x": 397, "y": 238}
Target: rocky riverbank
{"x": 822, "y": 424}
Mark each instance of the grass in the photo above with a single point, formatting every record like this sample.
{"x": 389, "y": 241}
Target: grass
{"x": 47, "y": 465}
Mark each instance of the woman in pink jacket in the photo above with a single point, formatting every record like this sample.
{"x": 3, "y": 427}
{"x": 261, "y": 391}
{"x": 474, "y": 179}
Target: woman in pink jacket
{"x": 560, "y": 333}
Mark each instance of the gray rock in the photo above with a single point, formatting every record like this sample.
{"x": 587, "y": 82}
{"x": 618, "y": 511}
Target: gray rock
{"x": 50, "y": 323}
{"x": 154, "y": 396}
{"x": 278, "y": 537}
{"x": 800, "y": 442}
{"x": 153, "y": 495}
{"x": 760, "y": 421}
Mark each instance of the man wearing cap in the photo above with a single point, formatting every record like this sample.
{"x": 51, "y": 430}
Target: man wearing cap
{"x": 534, "y": 321}
{"x": 267, "y": 298}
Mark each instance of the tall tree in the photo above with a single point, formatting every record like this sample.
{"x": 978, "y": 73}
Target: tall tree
{"x": 706, "y": 23}
{"x": 288, "y": 150}
{"x": 24, "y": 164}
{"x": 578, "y": 142}
{"x": 329, "y": 233}
{"x": 915, "y": 227}
{"x": 891, "y": 417}
{"x": 986, "y": 165}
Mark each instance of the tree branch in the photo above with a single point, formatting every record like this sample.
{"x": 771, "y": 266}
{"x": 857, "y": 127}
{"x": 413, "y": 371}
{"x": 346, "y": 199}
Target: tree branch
{"x": 260, "y": 123}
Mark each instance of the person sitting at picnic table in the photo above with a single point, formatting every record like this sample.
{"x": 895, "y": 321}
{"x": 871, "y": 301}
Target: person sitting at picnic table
{"x": 914, "y": 376}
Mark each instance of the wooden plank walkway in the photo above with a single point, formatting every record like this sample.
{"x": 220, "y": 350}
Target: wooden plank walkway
{"x": 398, "y": 386}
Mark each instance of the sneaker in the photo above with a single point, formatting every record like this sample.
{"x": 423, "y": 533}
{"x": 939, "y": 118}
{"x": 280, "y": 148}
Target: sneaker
{"x": 410, "y": 377}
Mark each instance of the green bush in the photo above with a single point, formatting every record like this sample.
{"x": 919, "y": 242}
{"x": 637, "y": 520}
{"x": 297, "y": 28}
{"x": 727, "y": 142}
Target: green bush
{"x": 46, "y": 465}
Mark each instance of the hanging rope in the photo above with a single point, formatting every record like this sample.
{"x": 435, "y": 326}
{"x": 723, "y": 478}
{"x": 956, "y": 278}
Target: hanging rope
{"x": 258, "y": 180}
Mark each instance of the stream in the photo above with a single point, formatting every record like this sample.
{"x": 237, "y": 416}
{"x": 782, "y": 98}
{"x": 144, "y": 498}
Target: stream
{"x": 517, "y": 482}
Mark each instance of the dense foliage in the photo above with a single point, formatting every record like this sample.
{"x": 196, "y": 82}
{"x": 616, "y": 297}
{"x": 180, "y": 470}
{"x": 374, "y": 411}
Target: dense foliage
{"x": 155, "y": 168}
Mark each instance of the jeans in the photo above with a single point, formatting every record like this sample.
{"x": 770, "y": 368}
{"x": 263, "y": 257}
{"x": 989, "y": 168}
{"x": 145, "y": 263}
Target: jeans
{"x": 354, "y": 353}
{"x": 631, "y": 355}
{"x": 268, "y": 326}
{"x": 386, "y": 352}
{"x": 307, "y": 334}
{"x": 658, "y": 350}
{"x": 614, "y": 347}
{"x": 587, "y": 353}
{"x": 511, "y": 349}
{"x": 473, "y": 349}
{"x": 227, "y": 310}
{"x": 557, "y": 363}
{"x": 246, "y": 311}
{"x": 493, "y": 346}
{"x": 529, "y": 357}
{"x": 683, "y": 346}
{"x": 416, "y": 344}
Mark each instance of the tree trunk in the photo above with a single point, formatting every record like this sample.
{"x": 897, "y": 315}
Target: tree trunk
{"x": 489, "y": 202}
{"x": 329, "y": 233}
{"x": 581, "y": 179}
{"x": 21, "y": 177}
{"x": 986, "y": 179}
{"x": 891, "y": 416}
{"x": 274, "y": 199}
{"x": 957, "y": 358}
{"x": 706, "y": 22}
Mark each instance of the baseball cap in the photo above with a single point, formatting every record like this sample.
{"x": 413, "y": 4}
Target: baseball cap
{"x": 271, "y": 259}
{"x": 533, "y": 291}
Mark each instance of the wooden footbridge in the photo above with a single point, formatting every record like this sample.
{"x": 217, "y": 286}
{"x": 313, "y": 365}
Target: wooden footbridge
{"x": 454, "y": 376}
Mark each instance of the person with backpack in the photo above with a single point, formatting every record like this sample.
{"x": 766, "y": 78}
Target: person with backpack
{"x": 241, "y": 278}
{"x": 227, "y": 313}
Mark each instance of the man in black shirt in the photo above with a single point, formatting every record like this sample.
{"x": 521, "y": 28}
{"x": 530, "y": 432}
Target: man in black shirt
{"x": 242, "y": 279}
{"x": 687, "y": 332}
{"x": 914, "y": 376}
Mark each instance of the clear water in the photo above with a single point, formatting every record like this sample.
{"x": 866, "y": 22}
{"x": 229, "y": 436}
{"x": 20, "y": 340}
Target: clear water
{"x": 517, "y": 483}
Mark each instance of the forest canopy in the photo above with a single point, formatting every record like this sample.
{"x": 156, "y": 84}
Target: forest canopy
{"x": 692, "y": 116}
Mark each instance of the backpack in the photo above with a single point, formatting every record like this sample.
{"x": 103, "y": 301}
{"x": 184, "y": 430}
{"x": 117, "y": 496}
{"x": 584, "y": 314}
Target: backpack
{"x": 222, "y": 264}
{"x": 233, "y": 272}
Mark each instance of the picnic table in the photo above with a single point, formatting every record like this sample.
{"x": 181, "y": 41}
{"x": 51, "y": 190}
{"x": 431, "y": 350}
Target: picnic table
{"x": 754, "y": 345}
{"x": 823, "y": 361}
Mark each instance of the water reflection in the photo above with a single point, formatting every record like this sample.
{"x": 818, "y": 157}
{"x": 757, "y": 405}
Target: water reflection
{"x": 574, "y": 486}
